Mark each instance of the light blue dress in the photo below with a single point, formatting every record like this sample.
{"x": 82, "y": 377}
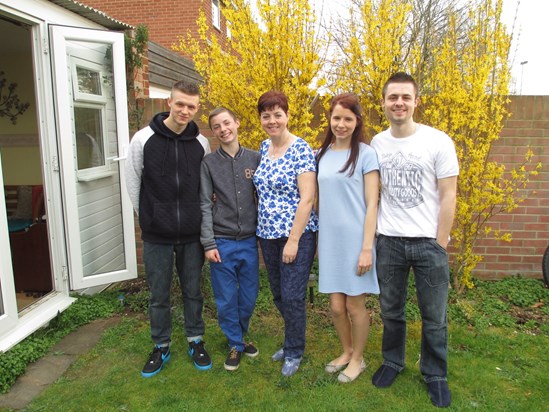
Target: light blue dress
{"x": 341, "y": 223}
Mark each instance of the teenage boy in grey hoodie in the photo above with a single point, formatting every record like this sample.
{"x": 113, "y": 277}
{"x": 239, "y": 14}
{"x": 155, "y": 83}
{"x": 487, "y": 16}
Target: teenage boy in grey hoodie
{"x": 229, "y": 218}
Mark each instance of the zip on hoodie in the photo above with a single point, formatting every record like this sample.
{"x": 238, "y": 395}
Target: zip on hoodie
{"x": 177, "y": 180}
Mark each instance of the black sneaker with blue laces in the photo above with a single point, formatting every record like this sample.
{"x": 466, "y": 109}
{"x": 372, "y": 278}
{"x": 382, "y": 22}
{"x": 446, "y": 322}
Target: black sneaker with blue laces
{"x": 198, "y": 354}
{"x": 158, "y": 357}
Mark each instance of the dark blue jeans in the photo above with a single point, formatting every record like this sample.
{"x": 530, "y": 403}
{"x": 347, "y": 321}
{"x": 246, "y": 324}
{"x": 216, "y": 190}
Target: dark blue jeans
{"x": 159, "y": 267}
{"x": 235, "y": 283}
{"x": 288, "y": 284}
{"x": 429, "y": 262}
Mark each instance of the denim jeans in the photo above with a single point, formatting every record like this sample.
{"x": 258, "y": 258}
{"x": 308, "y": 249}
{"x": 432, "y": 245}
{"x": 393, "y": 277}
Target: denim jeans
{"x": 288, "y": 284}
{"x": 159, "y": 267}
{"x": 429, "y": 262}
{"x": 235, "y": 284}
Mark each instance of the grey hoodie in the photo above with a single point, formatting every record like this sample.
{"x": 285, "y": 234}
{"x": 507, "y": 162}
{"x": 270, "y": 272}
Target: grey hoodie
{"x": 233, "y": 215}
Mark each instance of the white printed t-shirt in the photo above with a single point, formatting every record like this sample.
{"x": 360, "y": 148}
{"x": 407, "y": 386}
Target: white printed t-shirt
{"x": 410, "y": 167}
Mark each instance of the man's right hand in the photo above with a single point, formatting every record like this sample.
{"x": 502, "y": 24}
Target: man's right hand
{"x": 213, "y": 256}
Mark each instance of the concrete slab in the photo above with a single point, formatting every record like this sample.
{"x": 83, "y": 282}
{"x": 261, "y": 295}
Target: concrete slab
{"x": 84, "y": 338}
{"x": 51, "y": 367}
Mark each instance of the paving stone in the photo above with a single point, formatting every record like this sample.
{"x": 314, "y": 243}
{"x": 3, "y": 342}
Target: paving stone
{"x": 51, "y": 367}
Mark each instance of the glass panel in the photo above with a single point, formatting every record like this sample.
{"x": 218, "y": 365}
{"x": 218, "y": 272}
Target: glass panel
{"x": 89, "y": 81}
{"x": 89, "y": 137}
{"x": 99, "y": 200}
{"x": 216, "y": 15}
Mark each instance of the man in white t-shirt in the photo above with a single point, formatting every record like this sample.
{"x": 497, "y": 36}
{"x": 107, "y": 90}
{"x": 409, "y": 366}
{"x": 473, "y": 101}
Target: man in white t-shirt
{"x": 419, "y": 169}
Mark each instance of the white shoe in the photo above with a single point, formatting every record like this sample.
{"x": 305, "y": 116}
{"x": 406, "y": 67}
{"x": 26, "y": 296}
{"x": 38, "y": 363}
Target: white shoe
{"x": 278, "y": 355}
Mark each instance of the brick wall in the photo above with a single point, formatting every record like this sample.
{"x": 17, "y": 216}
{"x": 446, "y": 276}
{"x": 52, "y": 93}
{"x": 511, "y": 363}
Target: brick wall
{"x": 529, "y": 223}
{"x": 165, "y": 19}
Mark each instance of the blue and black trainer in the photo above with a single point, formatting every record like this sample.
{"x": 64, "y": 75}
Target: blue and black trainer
{"x": 158, "y": 357}
{"x": 198, "y": 354}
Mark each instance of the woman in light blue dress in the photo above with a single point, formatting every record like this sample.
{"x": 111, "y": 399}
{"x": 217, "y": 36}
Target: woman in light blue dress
{"x": 348, "y": 182}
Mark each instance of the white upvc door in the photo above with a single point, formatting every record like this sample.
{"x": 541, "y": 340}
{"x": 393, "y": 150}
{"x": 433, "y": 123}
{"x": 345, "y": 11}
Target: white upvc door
{"x": 92, "y": 128}
{"x": 8, "y": 304}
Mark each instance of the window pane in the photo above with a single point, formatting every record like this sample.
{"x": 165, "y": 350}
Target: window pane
{"x": 89, "y": 137}
{"x": 89, "y": 81}
{"x": 216, "y": 16}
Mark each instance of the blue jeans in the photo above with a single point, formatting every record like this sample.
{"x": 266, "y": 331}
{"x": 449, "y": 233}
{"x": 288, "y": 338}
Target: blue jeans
{"x": 288, "y": 284}
{"x": 429, "y": 261}
{"x": 235, "y": 284}
{"x": 159, "y": 267}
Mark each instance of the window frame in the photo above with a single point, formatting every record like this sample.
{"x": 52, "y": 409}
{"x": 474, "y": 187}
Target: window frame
{"x": 216, "y": 14}
{"x": 90, "y": 101}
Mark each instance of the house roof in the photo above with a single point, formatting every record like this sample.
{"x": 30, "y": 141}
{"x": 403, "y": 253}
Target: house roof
{"x": 97, "y": 16}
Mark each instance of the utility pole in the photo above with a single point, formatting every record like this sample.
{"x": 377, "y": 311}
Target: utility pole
{"x": 522, "y": 73}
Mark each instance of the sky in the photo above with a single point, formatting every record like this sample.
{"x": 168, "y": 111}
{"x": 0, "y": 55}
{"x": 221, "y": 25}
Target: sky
{"x": 528, "y": 46}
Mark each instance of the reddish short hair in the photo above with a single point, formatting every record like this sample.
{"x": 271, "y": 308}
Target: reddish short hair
{"x": 271, "y": 99}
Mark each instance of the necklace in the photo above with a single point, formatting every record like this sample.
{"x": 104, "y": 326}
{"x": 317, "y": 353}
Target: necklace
{"x": 276, "y": 152}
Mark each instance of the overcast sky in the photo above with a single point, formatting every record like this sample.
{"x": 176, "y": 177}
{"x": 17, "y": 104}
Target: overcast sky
{"x": 529, "y": 44}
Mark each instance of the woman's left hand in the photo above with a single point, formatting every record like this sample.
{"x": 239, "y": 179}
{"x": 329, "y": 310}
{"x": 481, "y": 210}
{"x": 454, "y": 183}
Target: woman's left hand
{"x": 290, "y": 251}
{"x": 365, "y": 262}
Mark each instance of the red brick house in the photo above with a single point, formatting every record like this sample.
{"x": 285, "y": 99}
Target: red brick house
{"x": 165, "y": 20}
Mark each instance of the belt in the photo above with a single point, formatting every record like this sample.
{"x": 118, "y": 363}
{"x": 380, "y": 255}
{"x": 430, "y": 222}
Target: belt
{"x": 408, "y": 239}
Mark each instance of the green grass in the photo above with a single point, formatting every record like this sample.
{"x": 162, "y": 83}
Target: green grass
{"x": 491, "y": 368}
{"x": 87, "y": 308}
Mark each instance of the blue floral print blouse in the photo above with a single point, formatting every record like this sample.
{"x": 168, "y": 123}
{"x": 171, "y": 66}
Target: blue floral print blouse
{"x": 277, "y": 190}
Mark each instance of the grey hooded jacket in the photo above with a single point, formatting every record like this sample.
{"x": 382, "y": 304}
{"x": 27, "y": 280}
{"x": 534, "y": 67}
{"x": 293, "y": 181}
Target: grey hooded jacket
{"x": 233, "y": 214}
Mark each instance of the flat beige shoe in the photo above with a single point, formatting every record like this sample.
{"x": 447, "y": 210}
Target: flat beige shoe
{"x": 343, "y": 378}
{"x": 331, "y": 368}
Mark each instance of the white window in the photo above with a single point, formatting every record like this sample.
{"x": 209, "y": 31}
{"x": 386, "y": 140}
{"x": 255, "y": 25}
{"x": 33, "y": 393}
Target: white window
{"x": 89, "y": 116}
{"x": 216, "y": 14}
{"x": 87, "y": 79}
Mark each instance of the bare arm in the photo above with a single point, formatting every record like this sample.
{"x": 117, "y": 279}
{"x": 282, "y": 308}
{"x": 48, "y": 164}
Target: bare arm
{"x": 447, "y": 197}
{"x": 371, "y": 197}
{"x": 306, "y": 184}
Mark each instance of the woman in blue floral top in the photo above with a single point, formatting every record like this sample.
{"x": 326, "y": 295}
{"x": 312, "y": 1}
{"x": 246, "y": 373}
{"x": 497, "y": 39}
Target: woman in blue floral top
{"x": 286, "y": 186}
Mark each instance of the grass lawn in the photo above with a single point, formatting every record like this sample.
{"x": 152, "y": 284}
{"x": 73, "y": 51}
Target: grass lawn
{"x": 503, "y": 368}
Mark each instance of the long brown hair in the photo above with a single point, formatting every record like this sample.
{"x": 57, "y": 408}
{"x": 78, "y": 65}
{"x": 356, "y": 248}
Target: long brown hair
{"x": 348, "y": 101}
